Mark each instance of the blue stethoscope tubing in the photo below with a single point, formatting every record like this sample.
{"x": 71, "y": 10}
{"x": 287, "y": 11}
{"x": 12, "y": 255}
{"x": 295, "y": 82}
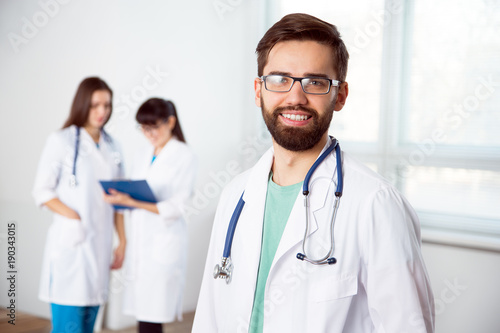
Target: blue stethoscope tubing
{"x": 328, "y": 259}
{"x": 224, "y": 271}
{"x": 72, "y": 179}
{"x": 232, "y": 227}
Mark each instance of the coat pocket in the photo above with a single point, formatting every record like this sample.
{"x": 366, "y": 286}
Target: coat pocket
{"x": 334, "y": 287}
{"x": 70, "y": 232}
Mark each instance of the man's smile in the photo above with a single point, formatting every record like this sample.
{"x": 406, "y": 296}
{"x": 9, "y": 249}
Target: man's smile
{"x": 295, "y": 117}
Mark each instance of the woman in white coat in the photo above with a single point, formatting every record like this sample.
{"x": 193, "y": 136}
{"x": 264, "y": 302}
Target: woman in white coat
{"x": 77, "y": 259}
{"x": 157, "y": 244}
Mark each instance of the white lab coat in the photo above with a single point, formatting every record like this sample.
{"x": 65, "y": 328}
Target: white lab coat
{"x": 379, "y": 283}
{"x": 77, "y": 257}
{"x": 155, "y": 260}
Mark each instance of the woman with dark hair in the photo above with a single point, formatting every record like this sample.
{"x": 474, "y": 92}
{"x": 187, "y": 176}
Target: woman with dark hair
{"x": 77, "y": 259}
{"x": 156, "y": 251}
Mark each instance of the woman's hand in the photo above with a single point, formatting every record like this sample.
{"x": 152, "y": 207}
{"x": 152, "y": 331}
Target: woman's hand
{"x": 123, "y": 199}
{"x": 118, "y": 198}
{"x": 73, "y": 215}
{"x": 119, "y": 255}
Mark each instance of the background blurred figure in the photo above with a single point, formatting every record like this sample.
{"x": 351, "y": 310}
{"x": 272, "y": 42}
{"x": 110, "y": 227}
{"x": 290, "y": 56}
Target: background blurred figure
{"x": 158, "y": 240}
{"x": 77, "y": 257}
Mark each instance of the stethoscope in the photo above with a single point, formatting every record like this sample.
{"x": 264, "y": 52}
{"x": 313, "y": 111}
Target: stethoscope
{"x": 116, "y": 155}
{"x": 225, "y": 270}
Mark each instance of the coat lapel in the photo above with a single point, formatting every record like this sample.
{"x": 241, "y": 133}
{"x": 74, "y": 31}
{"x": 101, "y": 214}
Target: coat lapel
{"x": 247, "y": 242}
{"x": 294, "y": 229}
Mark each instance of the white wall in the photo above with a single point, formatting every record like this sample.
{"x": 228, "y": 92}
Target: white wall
{"x": 210, "y": 63}
{"x": 466, "y": 288}
{"x": 206, "y": 64}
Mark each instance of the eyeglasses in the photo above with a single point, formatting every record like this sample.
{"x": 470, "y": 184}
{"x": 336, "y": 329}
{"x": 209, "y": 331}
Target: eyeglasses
{"x": 310, "y": 85}
{"x": 149, "y": 128}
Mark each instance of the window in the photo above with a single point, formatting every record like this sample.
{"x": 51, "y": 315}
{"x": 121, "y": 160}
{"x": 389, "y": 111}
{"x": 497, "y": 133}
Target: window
{"x": 424, "y": 102}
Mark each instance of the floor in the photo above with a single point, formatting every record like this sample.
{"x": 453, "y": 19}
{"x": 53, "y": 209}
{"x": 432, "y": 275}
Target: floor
{"x": 178, "y": 327}
{"x": 26, "y": 323}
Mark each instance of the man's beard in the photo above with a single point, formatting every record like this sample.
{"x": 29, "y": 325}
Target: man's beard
{"x": 298, "y": 138}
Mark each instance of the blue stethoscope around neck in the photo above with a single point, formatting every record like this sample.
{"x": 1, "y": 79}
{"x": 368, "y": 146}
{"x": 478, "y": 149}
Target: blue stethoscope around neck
{"x": 72, "y": 178}
{"x": 225, "y": 269}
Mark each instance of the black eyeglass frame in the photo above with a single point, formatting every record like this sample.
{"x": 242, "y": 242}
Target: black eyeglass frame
{"x": 334, "y": 83}
{"x": 148, "y": 128}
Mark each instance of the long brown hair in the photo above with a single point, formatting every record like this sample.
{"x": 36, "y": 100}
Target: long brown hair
{"x": 155, "y": 109}
{"x": 304, "y": 27}
{"x": 81, "y": 103}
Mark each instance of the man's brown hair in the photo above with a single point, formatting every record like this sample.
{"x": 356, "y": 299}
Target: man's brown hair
{"x": 304, "y": 27}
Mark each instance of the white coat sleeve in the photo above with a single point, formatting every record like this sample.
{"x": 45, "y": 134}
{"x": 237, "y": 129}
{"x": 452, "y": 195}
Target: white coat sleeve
{"x": 182, "y": 185}
{"x": 49, "y": 170}
{"x": 400, "y": 297}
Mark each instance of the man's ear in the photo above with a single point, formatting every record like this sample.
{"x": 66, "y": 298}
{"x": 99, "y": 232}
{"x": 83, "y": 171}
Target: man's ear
{"x": 257, "y": 85}
{"x": 341, "y": 96}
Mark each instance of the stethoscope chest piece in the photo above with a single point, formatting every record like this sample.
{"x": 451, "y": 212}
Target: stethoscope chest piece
{"x": 72, "y": 181}
{"x": 225, "y": 271}
{"x": 117, "y": 158}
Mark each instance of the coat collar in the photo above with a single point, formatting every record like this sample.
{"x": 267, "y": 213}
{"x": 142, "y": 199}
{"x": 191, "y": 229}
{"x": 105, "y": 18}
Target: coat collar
{"x": 169, "y": 149}
{"x": 85, "y": 136}
{"x": 88, "y": 145}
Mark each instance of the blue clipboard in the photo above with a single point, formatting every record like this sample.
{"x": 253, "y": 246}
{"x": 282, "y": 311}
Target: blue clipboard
{"x": 137, "y": 189}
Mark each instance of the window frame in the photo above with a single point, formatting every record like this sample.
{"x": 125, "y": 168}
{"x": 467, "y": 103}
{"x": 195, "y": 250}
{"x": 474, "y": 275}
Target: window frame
{"x": 390, "y": 149}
